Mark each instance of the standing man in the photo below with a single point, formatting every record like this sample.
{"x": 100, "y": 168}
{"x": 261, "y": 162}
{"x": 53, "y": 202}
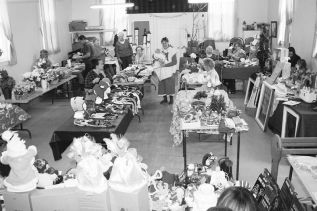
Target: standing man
{"x": 88, "y": 53}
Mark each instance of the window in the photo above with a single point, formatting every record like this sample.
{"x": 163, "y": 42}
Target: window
{"x": 221, "y": 19}
{"x": 286, "y": 11}
{"x": 48, "y": 26}
{"x": 4, "y": 46}
{"x": 6, "y": 38}
{"x": 315, "y": 38}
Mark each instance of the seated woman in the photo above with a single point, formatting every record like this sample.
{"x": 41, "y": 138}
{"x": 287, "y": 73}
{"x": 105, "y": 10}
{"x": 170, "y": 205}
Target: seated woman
{"x": 96, "y": 74}
{"x": 237, "y": 199}
{"x": 43, "y": 61}
{"x": 237, "y": 52}
{"x": 293, "y": 56}
{"x": 139, "y": 56}
{"x": 211, "y": 75}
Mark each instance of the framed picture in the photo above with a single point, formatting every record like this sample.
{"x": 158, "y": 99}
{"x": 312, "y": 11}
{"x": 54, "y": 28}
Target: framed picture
{"x": 265, "y": 104}
{"x": 274, "y": 29}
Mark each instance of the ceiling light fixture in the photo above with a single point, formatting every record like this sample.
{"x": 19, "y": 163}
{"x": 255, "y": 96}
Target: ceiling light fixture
{"x": 197, "y": 1}
{"x": 100, "y": 6}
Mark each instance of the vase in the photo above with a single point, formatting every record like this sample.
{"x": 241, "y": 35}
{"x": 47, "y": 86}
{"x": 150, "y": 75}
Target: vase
{"x": 7, "y": 93}
{"x": 44, "y": 84}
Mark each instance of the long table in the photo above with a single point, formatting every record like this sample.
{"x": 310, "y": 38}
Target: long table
{"x": 242, "y": 73}
{"x": 40, "y": 92}
{"x": 179, "y": 130}
{"x": 305, "y": 178}
{"x": 63, "y": 136}
{"x": 307, "y": 121}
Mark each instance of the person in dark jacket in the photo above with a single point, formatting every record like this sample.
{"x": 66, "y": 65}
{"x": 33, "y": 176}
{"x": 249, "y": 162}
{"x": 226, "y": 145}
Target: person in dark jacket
{"x": 123, "y": 51}
{"x": 293, "y": 56}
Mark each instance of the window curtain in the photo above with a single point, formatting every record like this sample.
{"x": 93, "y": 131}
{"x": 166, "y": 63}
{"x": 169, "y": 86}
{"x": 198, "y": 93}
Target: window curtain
{"x": 221, "y": 19}
{"x": 315, "y": 37}
{"x": 6, "y": 28}
{"x": 113, "y": 17}
{"x": 48, "y": 26}
{"x": 286, "y": 13}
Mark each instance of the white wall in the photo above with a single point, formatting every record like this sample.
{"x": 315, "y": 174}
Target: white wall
{"x": 25, "y": 24}
{"x": 303, "y": 27}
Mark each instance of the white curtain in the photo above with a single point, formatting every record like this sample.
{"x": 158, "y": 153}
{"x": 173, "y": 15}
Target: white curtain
{"x": 48, "y": 26}
{"x": 113, "y": 17}
{"x": 286, "y": 13}
{"x": 7, "y": 42}
{"x": 221, "y": 19}
{"x": 315, "y": 38}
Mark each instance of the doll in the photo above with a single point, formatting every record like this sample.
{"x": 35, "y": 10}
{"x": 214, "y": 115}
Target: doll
{"x": 23, "y": 175}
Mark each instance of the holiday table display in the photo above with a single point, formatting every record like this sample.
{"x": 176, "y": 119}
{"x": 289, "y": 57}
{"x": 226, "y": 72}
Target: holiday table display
{"x": 11, "y": 116}
{"x": 136, "y": 74}
{"x": 23, "y": 176}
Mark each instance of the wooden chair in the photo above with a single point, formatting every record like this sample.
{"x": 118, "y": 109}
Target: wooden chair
{"x": 290, "y": 146}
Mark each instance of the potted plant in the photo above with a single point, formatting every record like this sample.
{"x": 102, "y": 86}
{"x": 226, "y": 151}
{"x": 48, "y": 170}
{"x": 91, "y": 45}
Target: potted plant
{"x": 7, "y": 84}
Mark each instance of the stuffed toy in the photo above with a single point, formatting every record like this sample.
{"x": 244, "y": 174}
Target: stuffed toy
{"x": 77, "y": 106}
{"x": 101, "y": 90}
{"x": 23, "y": 175}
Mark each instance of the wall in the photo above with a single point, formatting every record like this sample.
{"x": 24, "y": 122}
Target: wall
{"x": 247, "y": 10}
{"x": 303, "y": 27}
{"x": 25, "y": 24}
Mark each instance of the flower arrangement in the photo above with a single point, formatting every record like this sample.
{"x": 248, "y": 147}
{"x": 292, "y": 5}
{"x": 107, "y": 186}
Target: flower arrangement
{"x": 35, "y": 76}
{"x": 23, "y": 90}
{"x": 7, "y": 83}
{"x": 42, "y": 64}
{"x": 217, "y": 104}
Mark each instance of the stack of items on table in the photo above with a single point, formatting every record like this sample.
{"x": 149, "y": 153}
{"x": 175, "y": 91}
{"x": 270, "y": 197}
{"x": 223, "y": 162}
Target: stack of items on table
{"x": 106, "y": 179}
{"x": 104, "y": 105}
{"x": 242, "y": 63}
{"x": 135, "y": 73}
{"x": 205, "y": 111}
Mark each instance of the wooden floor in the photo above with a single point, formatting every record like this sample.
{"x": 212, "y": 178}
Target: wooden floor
{"x": 153, "y": 141}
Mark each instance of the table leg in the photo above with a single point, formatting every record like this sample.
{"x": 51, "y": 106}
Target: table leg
{"x": 290, "y": 173}
{"x": 23, "y": 129}
{"x": 226, "y": 144}
{"x": 238, "y": 156}
{"x": 185, "y": 157}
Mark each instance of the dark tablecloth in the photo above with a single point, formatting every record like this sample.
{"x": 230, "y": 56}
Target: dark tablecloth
{"x": 63, "y": 136}
{"x": 242, "y": 73}
{"x": 307, "y": 123}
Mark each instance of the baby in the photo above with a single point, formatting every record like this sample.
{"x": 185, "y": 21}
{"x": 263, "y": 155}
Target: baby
{"x": 159, "y": 58}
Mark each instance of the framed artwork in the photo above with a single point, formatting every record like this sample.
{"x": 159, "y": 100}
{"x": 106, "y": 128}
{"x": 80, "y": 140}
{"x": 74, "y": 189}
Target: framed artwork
{"x": 274, "y": 29}
{"x": 265, "y": 104}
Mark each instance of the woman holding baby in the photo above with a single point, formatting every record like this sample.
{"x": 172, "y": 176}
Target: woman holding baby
{"x": 168, "y": 66}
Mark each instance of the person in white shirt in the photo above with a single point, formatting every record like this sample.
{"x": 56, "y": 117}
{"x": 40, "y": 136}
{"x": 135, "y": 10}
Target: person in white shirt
{"x": 211, "y": 75}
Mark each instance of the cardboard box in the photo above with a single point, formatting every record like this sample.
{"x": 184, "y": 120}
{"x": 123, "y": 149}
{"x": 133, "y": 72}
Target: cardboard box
{"x": 61, "y": 199}
{"x": 93, "y": 202}
{"x": 17, "y": 201}
{"x": 135, "y": 201}
{"x": 250, "y": 111}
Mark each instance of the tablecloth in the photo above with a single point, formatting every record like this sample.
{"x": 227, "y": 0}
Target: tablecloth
{"x": 63, "y": 136}
{"x": 187, "y": 97}
{"x": 307, "y": 124}
{"x": 11, "y": 116}
{"x": 242, "y": 73}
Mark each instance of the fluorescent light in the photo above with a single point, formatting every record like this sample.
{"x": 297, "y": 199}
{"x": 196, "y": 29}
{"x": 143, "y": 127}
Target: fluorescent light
{"x": 197, "y": 1}
{"x": 100, "y": 6}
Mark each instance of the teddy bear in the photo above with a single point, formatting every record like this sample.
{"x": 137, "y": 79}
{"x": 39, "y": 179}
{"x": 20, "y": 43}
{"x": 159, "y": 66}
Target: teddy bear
{"x": 23, "y": 175}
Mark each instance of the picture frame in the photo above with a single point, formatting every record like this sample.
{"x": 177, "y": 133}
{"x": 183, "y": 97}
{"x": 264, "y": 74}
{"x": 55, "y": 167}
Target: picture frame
{"x": 274, "y": 29}
{"x": 265, "y": 105}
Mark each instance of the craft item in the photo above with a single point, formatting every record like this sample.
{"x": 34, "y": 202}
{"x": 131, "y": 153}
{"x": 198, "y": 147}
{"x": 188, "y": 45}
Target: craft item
{"x": 23, "y": 175}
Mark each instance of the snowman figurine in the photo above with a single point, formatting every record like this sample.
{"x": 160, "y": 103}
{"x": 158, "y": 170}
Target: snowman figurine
{"x": 23, "y": 175}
